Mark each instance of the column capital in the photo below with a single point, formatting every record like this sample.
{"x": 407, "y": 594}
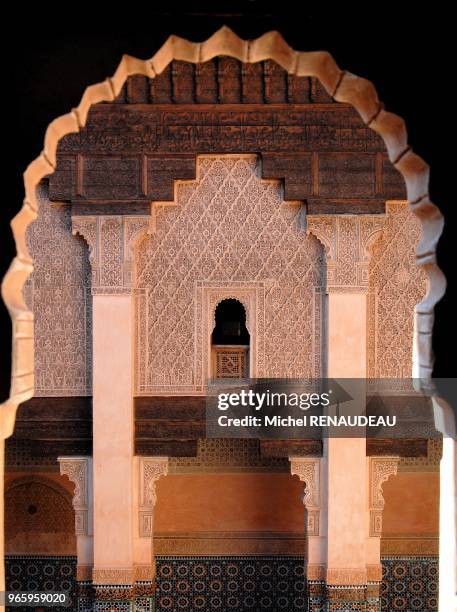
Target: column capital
{"x": 380, "y": 470}
{"x": 308, "y": 471}
{"x": 111, "y": 240}
{"x": 347, "y": 240}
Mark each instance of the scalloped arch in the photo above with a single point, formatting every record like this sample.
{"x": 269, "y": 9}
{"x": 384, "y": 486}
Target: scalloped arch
{"x": 238, "y": 298}
{"x": 341, "y": 85}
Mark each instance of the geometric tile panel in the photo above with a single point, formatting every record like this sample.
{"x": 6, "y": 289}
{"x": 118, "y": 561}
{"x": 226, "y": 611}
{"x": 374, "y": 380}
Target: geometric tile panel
{"x": 254, "y": 584}
{"x": 409, "y": 583}
{"x": 40, "y": 573}
{"x": 240, "y": 584}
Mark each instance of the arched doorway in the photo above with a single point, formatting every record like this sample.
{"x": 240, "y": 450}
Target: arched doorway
{"x": 40, "y": 541}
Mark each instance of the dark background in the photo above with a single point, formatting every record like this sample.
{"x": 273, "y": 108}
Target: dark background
{"x": 49, "y": 59}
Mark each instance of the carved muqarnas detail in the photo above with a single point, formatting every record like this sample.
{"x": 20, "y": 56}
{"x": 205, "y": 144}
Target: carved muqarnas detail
{"x": 308, "y": 471}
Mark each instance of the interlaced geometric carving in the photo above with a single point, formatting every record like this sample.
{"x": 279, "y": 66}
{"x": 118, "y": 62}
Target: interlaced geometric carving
{"x": 227, "y": 226}
{"x": 396, "y": 285}
{"x": 57, "y": 293}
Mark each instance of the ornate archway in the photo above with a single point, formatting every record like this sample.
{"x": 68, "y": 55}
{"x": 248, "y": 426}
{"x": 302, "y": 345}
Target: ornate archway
{"x": 341, "y": 86}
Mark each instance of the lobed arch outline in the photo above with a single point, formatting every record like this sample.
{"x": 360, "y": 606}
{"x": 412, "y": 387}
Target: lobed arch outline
{"x": 340, "y": 84}
{"x": 238, "y": 298}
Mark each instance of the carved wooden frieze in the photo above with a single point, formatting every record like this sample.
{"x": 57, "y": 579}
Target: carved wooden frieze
{"x": 116, "y": 129}
{"x": 134, "y": 149}
{"x": 222, "y": 80}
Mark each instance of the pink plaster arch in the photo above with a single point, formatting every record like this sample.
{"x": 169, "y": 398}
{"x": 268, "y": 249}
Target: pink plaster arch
{"x": 340, "y": 84}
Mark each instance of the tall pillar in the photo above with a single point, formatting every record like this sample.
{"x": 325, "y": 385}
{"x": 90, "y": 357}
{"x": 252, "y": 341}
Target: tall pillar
{"x": 79, "y": 471}
{"x": 344, "y": 464}
{"x": 111, "y": 240}
{"x": 445, "y": 422}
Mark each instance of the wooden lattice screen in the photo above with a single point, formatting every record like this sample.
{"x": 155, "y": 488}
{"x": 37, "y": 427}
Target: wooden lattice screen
{"x": 230, "y": 362}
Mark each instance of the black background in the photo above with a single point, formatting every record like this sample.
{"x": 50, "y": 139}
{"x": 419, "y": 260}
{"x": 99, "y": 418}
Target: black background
{"x": 50, "y": 57}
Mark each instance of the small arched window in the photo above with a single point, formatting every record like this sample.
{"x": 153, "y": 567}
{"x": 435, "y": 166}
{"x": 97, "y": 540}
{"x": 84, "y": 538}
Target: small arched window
{"x": 230, "y": 341}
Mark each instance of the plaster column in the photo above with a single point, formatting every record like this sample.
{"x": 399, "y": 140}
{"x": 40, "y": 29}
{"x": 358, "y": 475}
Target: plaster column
{"x": 445, "y": 422}
{"x": 346, "y": 239}
{"x": 79, "y": 471}
{"x": 111, "y": 240}
{"x": 345, "y": 458}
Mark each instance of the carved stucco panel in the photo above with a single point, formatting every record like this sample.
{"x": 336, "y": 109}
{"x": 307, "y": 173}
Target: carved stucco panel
{"x": 150, "y": 470}
{"x": 58, "y": 293}
{"x": 308, "y": 471}
{"x": 380, "y": 470}
{"x": 208, "y": 296}
{"x": 229, "y": 228}
{"x": 346, "y": 239}
{"x": 78, "y": 470}
{"x": 395, "y": 286}
{"x": 111, "y": 240}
